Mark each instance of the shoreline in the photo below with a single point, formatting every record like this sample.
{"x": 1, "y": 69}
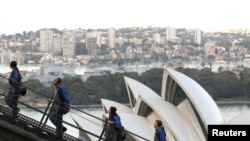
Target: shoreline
{"x": 233, "y": 101}
{"x": 100, "y": 106}
{"x": 73, "y": 106}
{"x": 219, "y": 102}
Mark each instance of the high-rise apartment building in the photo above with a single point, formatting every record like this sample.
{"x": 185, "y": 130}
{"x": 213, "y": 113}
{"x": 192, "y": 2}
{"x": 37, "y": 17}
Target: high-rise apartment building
{"x": 157, "y": 38}
{"x": 68, "y": 44}
{"x": 91, "y": 43}
{"x": 46, "y": 40}
{"x": 57, "y": 44}
{"x": 99, "y": 39}
{"x": 111, "y": 38}
{"x": 170, "y": 33}
{"x": 197, "y": 36}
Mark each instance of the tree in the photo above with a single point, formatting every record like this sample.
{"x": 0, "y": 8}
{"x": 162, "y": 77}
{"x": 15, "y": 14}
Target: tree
{"x": 227, "y": 85}
{"x": 153, "y": 79}
{"x": 76, "y": 89}
{"x": 245, "y": 82}
{"x": 205, "y": 78}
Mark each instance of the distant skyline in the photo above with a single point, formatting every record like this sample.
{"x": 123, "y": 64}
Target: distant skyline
{"x": 17, "y": 16}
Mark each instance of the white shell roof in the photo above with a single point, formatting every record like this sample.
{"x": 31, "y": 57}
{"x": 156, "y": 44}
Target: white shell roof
{"x": 140, "y": 89}
{"x": 173, "y": 118}
{"x": 204, "y": 104}
{"x": 176, "y": 120}
{"x": 93, "y": 125}
{"x": 137, "y": 125}
{"x": 133, "y": 123}
{"x": 169, "y": 114}
{"x": 120, "y": 107}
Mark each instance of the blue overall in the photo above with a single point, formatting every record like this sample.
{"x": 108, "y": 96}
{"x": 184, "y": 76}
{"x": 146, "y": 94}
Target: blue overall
{"x": 62, "y": 99}
{"x": 14, "y": 91}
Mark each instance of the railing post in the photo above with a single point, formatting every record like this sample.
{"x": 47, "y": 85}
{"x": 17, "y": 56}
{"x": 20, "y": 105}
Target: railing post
{"x": 105, "y": 125}
{"x": 53, "y": 103}
{"x": 44, "y": 114}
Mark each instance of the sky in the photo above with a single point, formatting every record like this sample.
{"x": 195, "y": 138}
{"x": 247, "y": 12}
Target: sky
{"x": 17, "y": 16}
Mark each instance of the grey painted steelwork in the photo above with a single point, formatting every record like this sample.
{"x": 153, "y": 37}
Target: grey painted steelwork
{"x": 27, "y": 128}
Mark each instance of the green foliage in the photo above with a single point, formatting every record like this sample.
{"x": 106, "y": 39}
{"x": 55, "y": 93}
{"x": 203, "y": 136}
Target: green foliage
{"x": 76, "y": 89}
{"x": 205, "y": 78}
{"x": 153, "y": 79}
{"x": 179, "y": 96}
{"x": 108, "y": 86}
{"x": 221, "y": 85}
{"x": 224, "y": 84}
{"x": 36, "y": 88}
{"x": 245, "y": 82}
{"x": 192, "y": 73}
{"x": 33, "y": 83}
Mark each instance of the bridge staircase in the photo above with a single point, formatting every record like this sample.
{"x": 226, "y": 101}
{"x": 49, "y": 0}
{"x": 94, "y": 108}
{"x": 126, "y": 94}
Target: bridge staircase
{"x": 25, "y": 128}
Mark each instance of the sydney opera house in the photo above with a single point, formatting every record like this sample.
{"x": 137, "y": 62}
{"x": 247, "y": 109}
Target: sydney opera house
{"x": 184, "y": 107}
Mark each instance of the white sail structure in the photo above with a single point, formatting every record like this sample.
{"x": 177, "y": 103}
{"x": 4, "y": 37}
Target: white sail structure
{"x": 184, "y": 107}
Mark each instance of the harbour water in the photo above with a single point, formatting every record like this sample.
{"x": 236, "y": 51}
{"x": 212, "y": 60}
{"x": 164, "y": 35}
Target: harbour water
{"x": 228, "y": 112}
{"x": 95, "y": 111}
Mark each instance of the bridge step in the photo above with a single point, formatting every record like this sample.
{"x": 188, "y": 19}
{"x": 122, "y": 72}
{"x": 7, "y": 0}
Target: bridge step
{"x": 26, "y": 129}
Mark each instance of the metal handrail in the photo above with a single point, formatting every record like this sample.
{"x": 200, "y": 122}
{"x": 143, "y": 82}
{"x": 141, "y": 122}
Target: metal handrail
{"x": 128, "y": 132}
{"x": 42, "y": 122}
{"x": 103, "y": 130}
{"x": 53, "y": 101}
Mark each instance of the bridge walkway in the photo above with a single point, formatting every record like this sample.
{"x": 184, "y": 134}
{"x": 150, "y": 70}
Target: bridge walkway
{"x": 25, "y": 128}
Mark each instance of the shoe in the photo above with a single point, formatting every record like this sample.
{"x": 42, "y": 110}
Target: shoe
{"x": 64, "y": 129}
